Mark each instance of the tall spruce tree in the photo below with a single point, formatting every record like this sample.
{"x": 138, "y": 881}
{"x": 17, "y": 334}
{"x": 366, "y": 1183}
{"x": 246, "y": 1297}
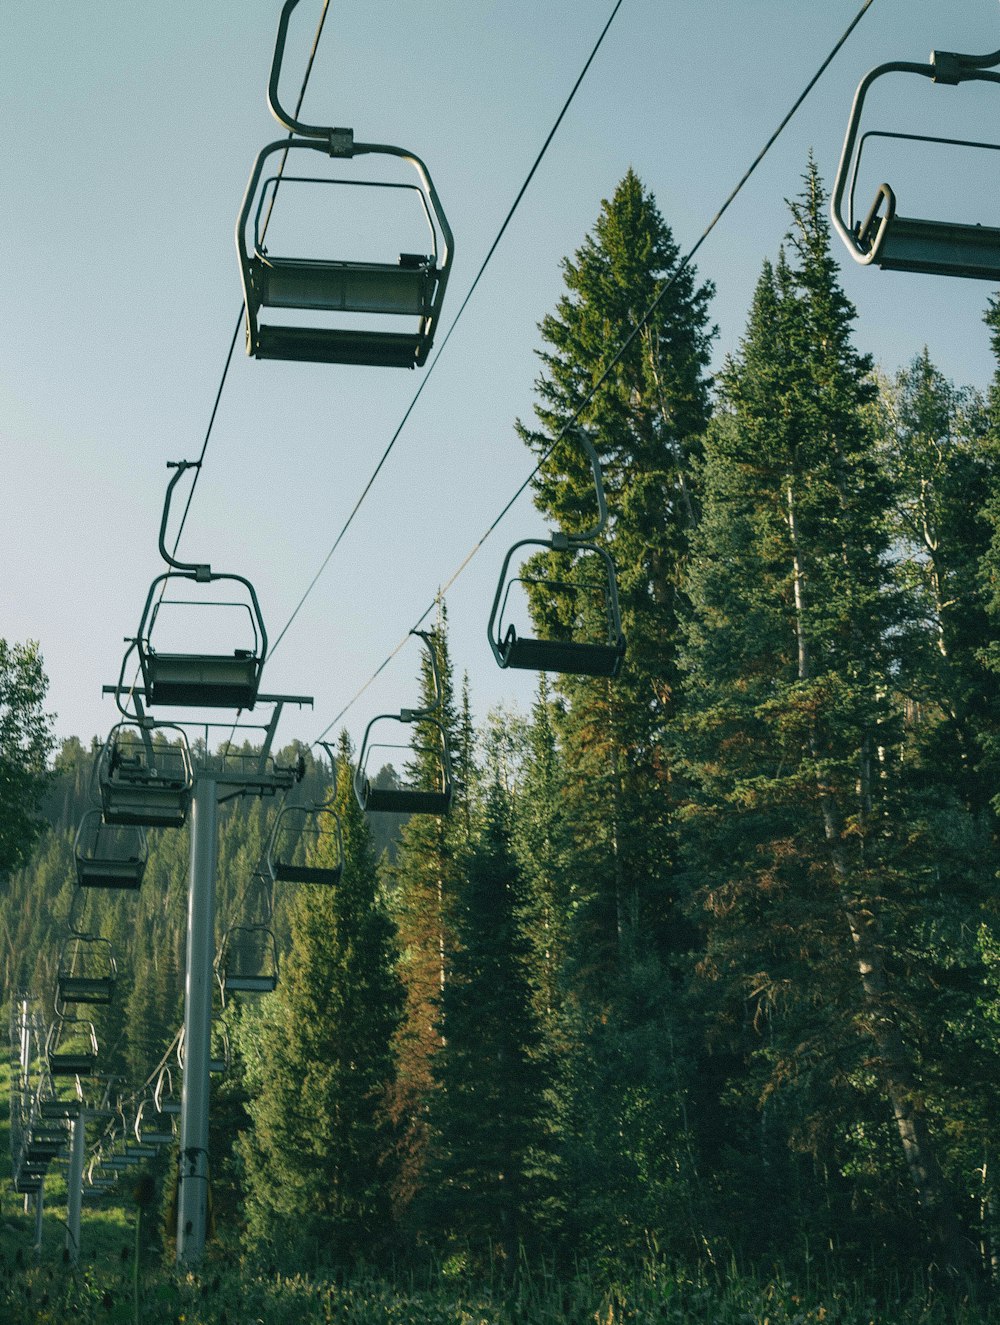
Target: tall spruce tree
{"x": 485, "y": 1118}
{"x": 424, "y": 883}
{"x": 789, "y": 660}
{"x": 613, "y": 853}
{"x": 646, "y": 422}
{"x": 318, "y": 1165}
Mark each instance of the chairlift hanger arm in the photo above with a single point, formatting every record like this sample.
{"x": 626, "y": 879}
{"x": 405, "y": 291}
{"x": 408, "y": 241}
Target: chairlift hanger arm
{"x": 945, "y": 67}
{"x": 587, "y": 535}
{"x": 193, "y": 569}
{"x": 415, "y": 715}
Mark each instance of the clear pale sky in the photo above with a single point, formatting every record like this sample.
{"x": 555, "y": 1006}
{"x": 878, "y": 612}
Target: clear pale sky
{"x": 130, "y": 130}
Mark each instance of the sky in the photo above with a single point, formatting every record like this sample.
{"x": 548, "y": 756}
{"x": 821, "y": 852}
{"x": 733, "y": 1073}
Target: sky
{"x": 131, "y": 129}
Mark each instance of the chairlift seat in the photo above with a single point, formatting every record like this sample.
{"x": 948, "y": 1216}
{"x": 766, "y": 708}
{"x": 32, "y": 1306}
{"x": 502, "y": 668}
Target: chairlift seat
{"x": 405, "y": 800}
{"x": 940, "y": 248}
{"x": 201, "y": 680}
{"x": 117, "y": 1162}
{"x": 568, "y": 656}
{"x": 405, "y": 289}
{"x": 143, "y": 1149}
{"x": 147, "y": 803}
{"x": 72, "y": 1063}
{"x": 86, "y": 989}
{"x": 379, "y": 349}
{"x": 286, "y": 872}
{"x": 27, "y": 1184}
{"x": 156, "y": 1137}
{"x": 43, "y": 1151}
{"x": 249, "y": 984}
{"x": 169, "y": 1107}
{"x": 121, "y": 874}
{"x": 68, "y": 1109}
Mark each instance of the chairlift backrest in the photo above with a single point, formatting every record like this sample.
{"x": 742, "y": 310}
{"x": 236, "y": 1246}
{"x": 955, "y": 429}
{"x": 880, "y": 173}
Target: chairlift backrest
{"x": 900, "y": 243}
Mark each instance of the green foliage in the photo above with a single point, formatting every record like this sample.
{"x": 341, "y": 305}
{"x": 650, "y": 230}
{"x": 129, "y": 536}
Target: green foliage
{"x": 318, "y": 1170}
{"x": 25, "y": 744}
{"x": 482, "y": 1188}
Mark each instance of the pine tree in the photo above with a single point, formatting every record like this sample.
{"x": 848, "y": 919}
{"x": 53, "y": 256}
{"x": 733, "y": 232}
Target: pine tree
{"x": 485, "y": 1116}
{"x": 424, "y": 884}
{"x": 789, "y": 658}
{"x": 318, "y": 1165}
{"x": 608, "y": 816}
{"x": 646, "y": 422}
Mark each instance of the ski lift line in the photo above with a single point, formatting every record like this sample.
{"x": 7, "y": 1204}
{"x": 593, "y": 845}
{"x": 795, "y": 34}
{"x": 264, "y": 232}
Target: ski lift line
{"x": 441, "y": 348}
{"x": 609, "y": 368}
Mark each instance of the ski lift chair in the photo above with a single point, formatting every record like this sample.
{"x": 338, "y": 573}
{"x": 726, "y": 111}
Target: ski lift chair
{"x": 71, "y": 1048}
{"x": 164, "y": 1100}
{"x": 142, "y": 782}
{"x": 248, "y": 961}
{"x": 109, "y": 856}
{"x": 153, "y": 1128}
{"x": 220, "y": 1054}
{"x": 581, "y": 654}
{"x": 412, "y": 288}
{"x": 435, "y": 794}
{"x": 306, "y": 845}
{"x": 197, "y": 680}
{"x": 901, "y": 243}
{"x": 87, "y": 971}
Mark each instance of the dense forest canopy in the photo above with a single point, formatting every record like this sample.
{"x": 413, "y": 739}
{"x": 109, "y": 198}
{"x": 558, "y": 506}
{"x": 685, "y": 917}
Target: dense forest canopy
{"x": 705, "y": 957}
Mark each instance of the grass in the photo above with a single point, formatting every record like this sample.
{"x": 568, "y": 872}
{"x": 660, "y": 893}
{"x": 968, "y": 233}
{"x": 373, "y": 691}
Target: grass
{"x": 98, "y": 1290}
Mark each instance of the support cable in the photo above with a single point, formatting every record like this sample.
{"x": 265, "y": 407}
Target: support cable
{"x": 433, "y": 364}
{"x": 615, "y": 359}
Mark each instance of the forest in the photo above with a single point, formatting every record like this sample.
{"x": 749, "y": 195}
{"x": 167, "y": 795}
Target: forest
{"x": 699, "y": 980}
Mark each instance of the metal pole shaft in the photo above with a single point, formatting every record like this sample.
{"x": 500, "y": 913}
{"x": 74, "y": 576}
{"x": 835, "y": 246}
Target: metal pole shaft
{"x": 74, "y": 1184}
{"x": 192, "y": 1193}
{"x": 39, "y": 1205}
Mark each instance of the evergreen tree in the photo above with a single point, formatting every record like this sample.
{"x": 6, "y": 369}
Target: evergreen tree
{"x": 485, "y": 1116}
{"x": 25, "y": 744}
{"x": 317, "y": 1159}
{"x": 789, "y": 658}
{"x": 646, "y": 422}
{"x": 424, "y": 883}
{"x": 608, "y": 819}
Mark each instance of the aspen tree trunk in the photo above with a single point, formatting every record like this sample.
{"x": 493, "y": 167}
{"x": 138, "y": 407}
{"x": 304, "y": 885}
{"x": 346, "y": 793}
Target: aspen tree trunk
{"x": 895, "y": 1069}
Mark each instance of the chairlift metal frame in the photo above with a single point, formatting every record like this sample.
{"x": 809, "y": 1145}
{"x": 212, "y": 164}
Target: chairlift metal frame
{"x": 409, "y": 800}
{"x": 279, "y": 863}
{"x": 576, "y": 657}
{"x": 149, "y": 786}
{"x": 413, "y": 287}
{"x": 901, "y": 243}
{"x": 239, "y": 977}
{"x": 107, "y": 869}
{"x": 206, "y": 680}
{"x": 66, "y": 1062}
{"x": 86, "y": 972}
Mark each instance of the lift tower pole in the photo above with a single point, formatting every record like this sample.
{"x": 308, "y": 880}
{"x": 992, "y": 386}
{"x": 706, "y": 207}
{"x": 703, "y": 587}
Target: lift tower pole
{"x": 192, "y": 1189}
{"x": 218, "y": 778}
